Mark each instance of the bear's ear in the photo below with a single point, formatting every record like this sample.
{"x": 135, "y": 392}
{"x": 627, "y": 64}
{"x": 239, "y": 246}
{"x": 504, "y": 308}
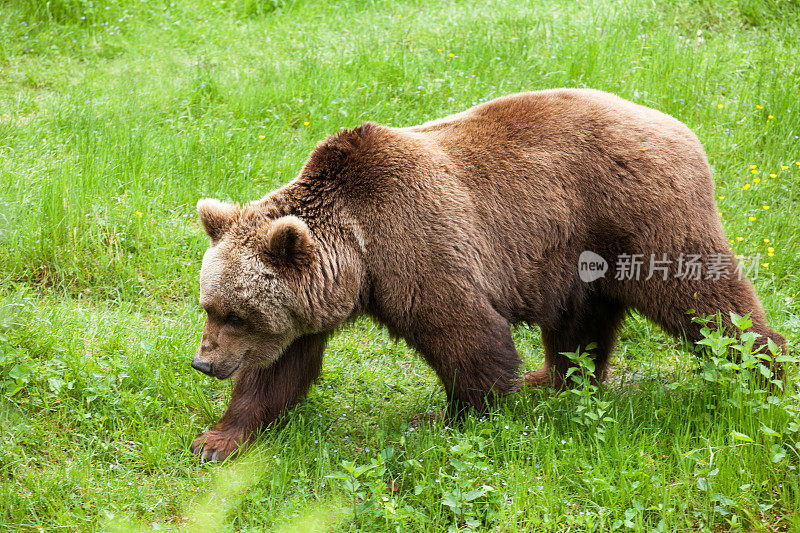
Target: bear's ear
{"x": 216, "y": 217}
{"x": 287, "y": 242}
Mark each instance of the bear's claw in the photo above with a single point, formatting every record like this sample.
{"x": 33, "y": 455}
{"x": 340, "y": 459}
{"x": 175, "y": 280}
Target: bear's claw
{"x": 214, "y": 445}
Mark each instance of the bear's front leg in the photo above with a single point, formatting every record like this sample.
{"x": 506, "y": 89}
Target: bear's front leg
{"x": 260, "y": 395}
{"x": 472, "y": 352}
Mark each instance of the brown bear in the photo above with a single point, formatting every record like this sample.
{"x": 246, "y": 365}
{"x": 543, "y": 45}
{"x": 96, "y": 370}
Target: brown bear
{"x": 449, "y": 232}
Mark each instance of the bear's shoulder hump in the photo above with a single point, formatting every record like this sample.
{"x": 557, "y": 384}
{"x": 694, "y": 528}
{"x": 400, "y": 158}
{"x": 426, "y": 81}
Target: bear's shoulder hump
{"x": 334, "y": 153}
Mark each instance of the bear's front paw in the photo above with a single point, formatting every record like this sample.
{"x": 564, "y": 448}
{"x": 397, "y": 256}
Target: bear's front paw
{"x": 216, "y": 445}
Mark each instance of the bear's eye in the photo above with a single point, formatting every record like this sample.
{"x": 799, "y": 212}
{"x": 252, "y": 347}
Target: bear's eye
{"x": 234, "y": 320}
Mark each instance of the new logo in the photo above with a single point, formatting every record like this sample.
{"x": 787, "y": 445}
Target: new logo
{"x": 591, "y": 266}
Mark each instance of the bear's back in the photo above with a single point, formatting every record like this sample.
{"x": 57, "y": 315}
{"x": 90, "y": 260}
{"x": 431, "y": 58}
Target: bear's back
{"x": 571, "y": 151}
{"x": 577, "y": 122}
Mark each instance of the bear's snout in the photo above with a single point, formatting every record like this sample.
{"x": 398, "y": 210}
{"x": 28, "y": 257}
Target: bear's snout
{"x": 202, "y": 366}
{"x": 216, "y": 363}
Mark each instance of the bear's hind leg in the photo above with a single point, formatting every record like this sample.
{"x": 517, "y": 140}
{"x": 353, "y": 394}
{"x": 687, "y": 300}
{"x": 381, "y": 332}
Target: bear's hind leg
{"x": 595, "y": 322}
{"x": 708, "y": 297}
{"x": 260, "y": 395}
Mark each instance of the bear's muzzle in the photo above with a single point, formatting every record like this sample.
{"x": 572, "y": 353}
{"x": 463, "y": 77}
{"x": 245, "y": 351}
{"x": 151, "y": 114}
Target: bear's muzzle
{"x": 202, "y": 366}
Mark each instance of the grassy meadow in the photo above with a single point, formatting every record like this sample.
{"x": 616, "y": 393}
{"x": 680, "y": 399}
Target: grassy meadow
{"x": 115, "y": 117}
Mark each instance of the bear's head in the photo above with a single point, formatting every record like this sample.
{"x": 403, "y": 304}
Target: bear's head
{"x": 248, "y": 287}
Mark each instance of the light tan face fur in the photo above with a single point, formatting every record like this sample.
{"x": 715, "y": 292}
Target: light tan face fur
{"x": 248, "y": 311}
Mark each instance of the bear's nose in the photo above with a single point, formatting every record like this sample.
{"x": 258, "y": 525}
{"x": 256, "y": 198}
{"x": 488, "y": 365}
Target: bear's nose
{"x": 203, "y": 367}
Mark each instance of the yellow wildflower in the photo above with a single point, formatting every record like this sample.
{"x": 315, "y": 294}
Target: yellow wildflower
{"x": 720, "y": 106}
{"x": 752, "y": 219}
{"x": 740, "y": 239}
{"x": 451, "y": 54}
{"x": 773, "y": 175}
{"x": 765, "y": 207}
{"x": 262, "y": 137}
{"x": 771, "y": 250}
{"x": 759, "y": 106}
{"x": 746, "y": 186}
{"x": 784, "y": 167}
{"x": 139, "y": 214}
{"x": 766, "y": 241}
{"x": 765, "y": 265}
{"x": 753, "y": 166}
{"x": 770, "y": 117}
{"x": 754, "y": 171}
{"x": 756, "y": 180}
{"x": 439, "y": 50}
{"x": 305, "y": 123}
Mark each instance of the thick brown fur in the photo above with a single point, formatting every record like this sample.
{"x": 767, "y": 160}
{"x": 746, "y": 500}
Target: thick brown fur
{"x": 449, "y": 232}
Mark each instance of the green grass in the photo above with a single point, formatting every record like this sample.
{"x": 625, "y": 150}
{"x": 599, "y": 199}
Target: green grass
{"x": 115, "y": 117}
